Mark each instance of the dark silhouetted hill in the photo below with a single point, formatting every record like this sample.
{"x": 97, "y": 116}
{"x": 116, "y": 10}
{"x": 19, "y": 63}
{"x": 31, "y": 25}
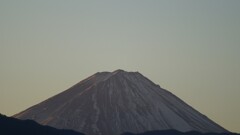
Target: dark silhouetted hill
{"x": 175, "y": 132}
{"x": 13, "y": 126}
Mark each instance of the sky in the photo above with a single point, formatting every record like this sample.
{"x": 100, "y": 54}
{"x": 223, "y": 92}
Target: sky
{"x": 189, "y": 47}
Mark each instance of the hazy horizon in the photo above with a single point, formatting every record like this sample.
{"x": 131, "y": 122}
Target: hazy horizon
{"x": 190, "y": 48}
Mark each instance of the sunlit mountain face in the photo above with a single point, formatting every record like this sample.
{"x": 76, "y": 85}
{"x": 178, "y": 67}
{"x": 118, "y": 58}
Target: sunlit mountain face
{"x": 111, "y": 103}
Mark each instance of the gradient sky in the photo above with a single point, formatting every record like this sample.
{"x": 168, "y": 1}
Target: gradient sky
{"x": 190, "y": 47}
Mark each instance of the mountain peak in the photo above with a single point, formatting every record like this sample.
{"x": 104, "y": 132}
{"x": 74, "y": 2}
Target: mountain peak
{"x": 118, "y": 71}
{"x": 114, "y": 72}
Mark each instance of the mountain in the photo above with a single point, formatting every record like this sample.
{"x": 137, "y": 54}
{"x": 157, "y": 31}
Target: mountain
{"x": 111, "y": 103}
{"x": 12, "y": 126}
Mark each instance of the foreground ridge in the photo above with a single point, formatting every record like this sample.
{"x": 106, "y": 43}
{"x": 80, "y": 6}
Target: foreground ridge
{"x": 12, "y": 126}
{"x": 175, "y": 132}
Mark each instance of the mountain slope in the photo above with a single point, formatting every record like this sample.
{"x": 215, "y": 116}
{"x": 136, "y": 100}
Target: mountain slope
{"x": 109, "y": 103}
{"x": 12, "y": 126}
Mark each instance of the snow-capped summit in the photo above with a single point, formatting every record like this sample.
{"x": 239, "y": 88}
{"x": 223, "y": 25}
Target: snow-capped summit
{"x": 111, "y": 103}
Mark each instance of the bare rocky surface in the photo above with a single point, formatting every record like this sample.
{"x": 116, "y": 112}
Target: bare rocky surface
{"x": 112, "y": 103}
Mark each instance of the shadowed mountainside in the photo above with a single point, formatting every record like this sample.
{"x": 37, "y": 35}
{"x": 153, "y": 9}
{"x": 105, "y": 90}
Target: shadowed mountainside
{"x": 12, "y": 126}
{"x": 175, "y": 132}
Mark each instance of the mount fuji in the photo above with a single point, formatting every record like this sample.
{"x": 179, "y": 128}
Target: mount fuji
{"x": 111, "y": 103}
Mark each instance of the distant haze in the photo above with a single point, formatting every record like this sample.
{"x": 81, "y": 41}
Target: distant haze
{"x": 189, "y": 47}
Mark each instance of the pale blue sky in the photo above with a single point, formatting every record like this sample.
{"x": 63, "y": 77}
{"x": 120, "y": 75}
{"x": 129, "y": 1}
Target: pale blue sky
{"x": 190, "y": 47}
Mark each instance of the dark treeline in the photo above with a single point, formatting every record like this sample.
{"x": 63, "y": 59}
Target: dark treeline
{"x": 175, "y": 132}
{"x": 13, "y": 126}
